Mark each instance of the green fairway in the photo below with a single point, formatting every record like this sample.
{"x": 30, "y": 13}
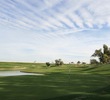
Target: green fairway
{"x": 67, "y": 82}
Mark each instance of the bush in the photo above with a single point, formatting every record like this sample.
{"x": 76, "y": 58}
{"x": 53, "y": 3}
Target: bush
{"x": 48, "y": 64}
{"x": 93, "y": 61}
{"x": 58, "y": 62}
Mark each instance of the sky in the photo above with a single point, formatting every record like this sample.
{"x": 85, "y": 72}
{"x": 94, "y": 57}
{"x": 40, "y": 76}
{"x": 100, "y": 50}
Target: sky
{"x": 45, "y": 30}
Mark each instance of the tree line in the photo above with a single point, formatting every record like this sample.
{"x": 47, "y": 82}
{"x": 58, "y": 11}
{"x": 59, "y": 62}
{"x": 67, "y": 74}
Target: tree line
{"x": 102, "y": 54}
{"x": 58, "y": 62}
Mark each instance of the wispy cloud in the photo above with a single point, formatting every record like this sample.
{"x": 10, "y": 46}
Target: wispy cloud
{"x": 56, "y": 15}
{"x": 53, "y": 28}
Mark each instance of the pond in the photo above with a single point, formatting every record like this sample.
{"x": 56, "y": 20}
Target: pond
{"x": 15, "y": 73}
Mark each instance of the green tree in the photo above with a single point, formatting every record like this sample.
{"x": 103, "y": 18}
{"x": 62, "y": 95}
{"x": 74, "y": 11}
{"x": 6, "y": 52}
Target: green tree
{"x": 99, "y": 54}
{"x": 83, "y": 62}
{"x": 105, "y": 49}
{"x": 104, "y": 56}
{"x": 78, "y": 62}
{"x": 93, "y": 61}
{"x": 58, "y": 62}
{"x": 48, "y": 64}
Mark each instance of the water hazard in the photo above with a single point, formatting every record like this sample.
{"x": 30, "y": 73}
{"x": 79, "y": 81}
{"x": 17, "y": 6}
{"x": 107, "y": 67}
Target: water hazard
{"x": 15, "y": 73}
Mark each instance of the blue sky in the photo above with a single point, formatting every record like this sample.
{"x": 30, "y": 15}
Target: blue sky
{"x": 45, "y": 30}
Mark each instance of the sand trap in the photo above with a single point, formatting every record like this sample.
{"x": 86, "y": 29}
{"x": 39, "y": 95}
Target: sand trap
{"x": 15, "y": 73}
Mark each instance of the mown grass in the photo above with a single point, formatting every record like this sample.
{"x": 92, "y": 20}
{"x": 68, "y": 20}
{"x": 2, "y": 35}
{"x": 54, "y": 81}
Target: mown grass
{"x": 68, "y": 82}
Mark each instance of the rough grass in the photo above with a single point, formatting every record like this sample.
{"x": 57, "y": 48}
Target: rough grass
{"x": 68, "y": 82}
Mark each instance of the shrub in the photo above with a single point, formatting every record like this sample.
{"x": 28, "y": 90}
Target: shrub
{"x": 48, "y": 64}
{"x": 58, "y": 62}
{"x": 93, "y": 61}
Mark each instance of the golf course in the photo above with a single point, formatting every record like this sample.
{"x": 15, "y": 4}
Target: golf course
{"x": 65, "y": 82}
{"x": 54, "y": 49}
